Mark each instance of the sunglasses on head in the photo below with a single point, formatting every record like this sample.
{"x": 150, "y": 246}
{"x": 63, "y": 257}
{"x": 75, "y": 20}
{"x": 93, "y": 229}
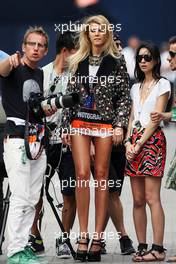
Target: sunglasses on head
{"x": 146, "y": 57}
{"x": 172, "y": 54}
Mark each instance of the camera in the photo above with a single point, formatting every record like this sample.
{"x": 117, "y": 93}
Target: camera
{"x": 38, "y": 103}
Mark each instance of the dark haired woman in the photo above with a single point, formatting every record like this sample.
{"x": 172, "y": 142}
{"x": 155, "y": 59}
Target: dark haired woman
{"x": 146, "y": 150}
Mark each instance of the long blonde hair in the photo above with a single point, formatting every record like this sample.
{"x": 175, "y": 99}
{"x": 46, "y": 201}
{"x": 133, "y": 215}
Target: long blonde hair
{"x": 85, "y": 43}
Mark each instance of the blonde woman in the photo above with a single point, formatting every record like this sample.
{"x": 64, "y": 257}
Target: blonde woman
{"x": 100, "y": 78}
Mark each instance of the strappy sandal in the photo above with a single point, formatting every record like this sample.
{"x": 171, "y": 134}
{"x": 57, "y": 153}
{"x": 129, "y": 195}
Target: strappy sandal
{"x": 82, "y": 254}
{"x": 154, "y": 254}
{"x": 95, "y": 256}
{"x": 172, "y": 259}
{"x": 142, "y": 249}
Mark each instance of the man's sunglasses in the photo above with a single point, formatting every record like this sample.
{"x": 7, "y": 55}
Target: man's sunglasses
{"x": 146, "y": 57}
{"x": 172, "y": 54}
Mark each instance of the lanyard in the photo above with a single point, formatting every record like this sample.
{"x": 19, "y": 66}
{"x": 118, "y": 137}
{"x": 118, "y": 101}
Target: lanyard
{"x": 57, "y": 81}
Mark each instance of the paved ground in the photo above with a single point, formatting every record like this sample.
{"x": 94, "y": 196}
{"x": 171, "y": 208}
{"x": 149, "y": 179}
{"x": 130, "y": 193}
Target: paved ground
{"x": 50, "y": 229}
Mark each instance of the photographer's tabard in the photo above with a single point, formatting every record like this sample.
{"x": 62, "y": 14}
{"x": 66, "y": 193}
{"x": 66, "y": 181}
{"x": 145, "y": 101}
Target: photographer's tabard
{"x": 35, "y": 140}
{"x": 54, "y": 134}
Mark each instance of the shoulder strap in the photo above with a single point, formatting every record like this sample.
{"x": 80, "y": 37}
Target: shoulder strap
{"x": 26, "y": 140}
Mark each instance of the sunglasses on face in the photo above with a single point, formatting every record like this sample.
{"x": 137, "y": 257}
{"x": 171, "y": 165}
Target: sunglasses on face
{"x": 146, "y": 57}
{"x": 172, "y": 54}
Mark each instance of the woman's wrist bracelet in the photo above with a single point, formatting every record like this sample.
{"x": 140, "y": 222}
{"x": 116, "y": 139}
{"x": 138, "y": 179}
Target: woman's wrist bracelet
{"x": 127, "y": 140}
{"x": 139, "y": 143}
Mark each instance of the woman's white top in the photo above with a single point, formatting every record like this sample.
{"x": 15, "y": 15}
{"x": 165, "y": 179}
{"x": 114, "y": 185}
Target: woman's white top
{"x": 142, "y": 111}
{"x": 92, "y": 73}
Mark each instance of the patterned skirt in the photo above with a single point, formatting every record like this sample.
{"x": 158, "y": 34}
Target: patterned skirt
{"x": 151, "y": 160}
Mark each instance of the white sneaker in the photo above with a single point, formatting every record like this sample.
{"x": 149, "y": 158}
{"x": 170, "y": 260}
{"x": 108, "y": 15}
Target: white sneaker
{"x": 62, "y": 249}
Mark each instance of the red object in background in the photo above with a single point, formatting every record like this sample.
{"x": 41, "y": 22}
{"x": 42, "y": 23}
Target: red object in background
{"x": 84, "y": 3}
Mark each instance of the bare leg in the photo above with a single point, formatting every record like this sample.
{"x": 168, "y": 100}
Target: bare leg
{"x": 152, "y": 190}
{"x": 139, "y": 208}
{"x": 68, "y": 212}
{"x": 81, "y": 156}
{"x": 115, "y": 211}
{"x": 38, "y": 214}
{"x": 103, "y": 148}
{"x": 106, "y": 221}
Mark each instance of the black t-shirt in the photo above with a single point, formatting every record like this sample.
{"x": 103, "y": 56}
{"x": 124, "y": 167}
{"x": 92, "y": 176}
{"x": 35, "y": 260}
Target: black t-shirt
{"x": 16, "y": 89}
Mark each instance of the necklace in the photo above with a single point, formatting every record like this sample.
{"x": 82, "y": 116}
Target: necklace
{"x": 143, "y": 97}
{"x": 144, "y": 93}
{"x": 95, "y": 60}
{"x": 150, "y": 86}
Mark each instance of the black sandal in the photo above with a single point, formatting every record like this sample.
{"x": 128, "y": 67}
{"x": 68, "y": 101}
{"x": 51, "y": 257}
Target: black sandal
{"x": 95, "y": 256}
{"x": 154, "y": 257}
{"x": 141, "y": 250}
{"x": 82, "y": 254}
